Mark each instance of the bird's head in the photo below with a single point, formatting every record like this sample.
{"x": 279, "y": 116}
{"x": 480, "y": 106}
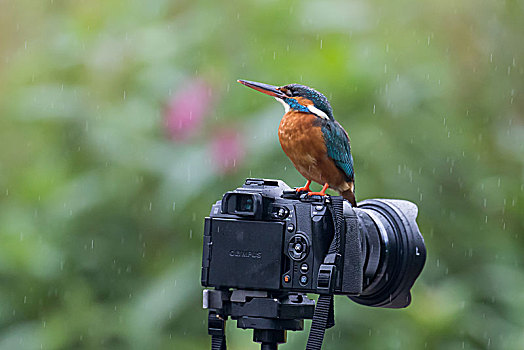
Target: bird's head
{"x": 296, "y": 97}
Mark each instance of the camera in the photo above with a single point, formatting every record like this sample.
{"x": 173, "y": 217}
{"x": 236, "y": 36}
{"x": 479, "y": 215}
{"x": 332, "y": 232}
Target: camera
{"x": 263, "y": 236}
{"x": 265, "y": 247}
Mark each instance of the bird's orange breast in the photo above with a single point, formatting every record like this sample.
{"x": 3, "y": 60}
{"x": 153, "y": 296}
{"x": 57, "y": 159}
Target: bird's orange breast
{"x": 302, "y": 140}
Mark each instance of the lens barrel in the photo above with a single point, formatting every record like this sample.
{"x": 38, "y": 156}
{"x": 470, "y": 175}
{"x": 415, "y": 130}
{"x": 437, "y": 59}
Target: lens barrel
{"x": 393, "y": 252}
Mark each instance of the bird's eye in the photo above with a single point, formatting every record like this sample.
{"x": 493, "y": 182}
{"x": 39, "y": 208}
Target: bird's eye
{"x": 286, "y": 91}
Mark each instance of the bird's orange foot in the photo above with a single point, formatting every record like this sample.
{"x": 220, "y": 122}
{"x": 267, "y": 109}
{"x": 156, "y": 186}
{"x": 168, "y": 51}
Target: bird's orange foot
{"x": 316, "y": 194}
{"x": 305, "y": 188}
{"x": 321, "y": 193}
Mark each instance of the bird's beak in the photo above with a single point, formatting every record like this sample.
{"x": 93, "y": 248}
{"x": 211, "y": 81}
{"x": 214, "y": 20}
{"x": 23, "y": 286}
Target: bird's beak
{"x": 264, "y": 88}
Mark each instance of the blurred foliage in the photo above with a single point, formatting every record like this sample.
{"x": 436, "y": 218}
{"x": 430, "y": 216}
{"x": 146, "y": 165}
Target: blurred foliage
{"x": 107, "y": 166}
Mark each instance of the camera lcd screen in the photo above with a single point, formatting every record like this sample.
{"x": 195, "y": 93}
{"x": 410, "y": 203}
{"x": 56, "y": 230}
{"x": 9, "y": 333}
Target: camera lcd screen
{"x": 246, "y": 254}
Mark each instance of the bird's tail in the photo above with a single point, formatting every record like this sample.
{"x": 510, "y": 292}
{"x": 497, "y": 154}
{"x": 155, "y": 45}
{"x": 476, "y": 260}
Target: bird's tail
{"x": 350, "y": 196}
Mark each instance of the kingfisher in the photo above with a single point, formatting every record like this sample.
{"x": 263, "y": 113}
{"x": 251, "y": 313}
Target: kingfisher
{"x": 317, "y": 145}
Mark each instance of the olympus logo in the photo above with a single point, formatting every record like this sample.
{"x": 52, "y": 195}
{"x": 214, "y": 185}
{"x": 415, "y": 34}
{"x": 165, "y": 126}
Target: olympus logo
{"x": 245, "y": 254}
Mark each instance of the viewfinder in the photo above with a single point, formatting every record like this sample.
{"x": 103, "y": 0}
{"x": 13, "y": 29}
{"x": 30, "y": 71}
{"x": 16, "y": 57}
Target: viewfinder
{"x": 242, "y": 204}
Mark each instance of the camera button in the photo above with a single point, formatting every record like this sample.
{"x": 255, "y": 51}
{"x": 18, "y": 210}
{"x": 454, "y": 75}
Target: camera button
{"x": 304, "y": 268}
{"x": 303, "y": 279}
{"x": 287, "y": 278}
{"x": 280, "y": 212}
{"x": 290, "y": 228}
{"x": 298, "y": 247}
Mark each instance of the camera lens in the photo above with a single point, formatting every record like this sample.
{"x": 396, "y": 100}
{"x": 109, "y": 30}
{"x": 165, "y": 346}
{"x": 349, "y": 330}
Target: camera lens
{"x": 393, "y": 252}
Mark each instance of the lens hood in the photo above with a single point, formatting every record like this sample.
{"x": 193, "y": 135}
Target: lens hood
{"x": 401, "y": 254}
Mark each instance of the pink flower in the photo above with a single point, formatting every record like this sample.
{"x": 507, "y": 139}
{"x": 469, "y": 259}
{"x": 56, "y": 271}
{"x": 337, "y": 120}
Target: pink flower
{"x": 227, "y": 150}
{"x": 187, "y": 108}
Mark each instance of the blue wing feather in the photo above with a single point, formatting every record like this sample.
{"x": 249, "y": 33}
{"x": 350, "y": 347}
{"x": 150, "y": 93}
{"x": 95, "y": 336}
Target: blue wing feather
{"x": 338, "y": 147}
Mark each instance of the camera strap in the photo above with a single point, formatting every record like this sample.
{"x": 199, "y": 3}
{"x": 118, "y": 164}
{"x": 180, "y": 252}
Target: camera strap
{"x": 217, "y": 330}
{"x": 324, "y": 316}
{"x": 321, "y": 320}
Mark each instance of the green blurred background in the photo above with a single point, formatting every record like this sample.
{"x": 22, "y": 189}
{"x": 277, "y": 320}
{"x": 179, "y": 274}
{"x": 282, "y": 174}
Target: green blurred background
{"x": 121, "y": 123}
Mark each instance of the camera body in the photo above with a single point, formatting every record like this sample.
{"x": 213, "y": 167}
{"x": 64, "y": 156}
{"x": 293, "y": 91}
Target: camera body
{"x": 264, "y": 236}
{"x": 255, "y": 239}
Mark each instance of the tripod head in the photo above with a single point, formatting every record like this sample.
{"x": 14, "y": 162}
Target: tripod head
{"x": 270, "y": 315}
